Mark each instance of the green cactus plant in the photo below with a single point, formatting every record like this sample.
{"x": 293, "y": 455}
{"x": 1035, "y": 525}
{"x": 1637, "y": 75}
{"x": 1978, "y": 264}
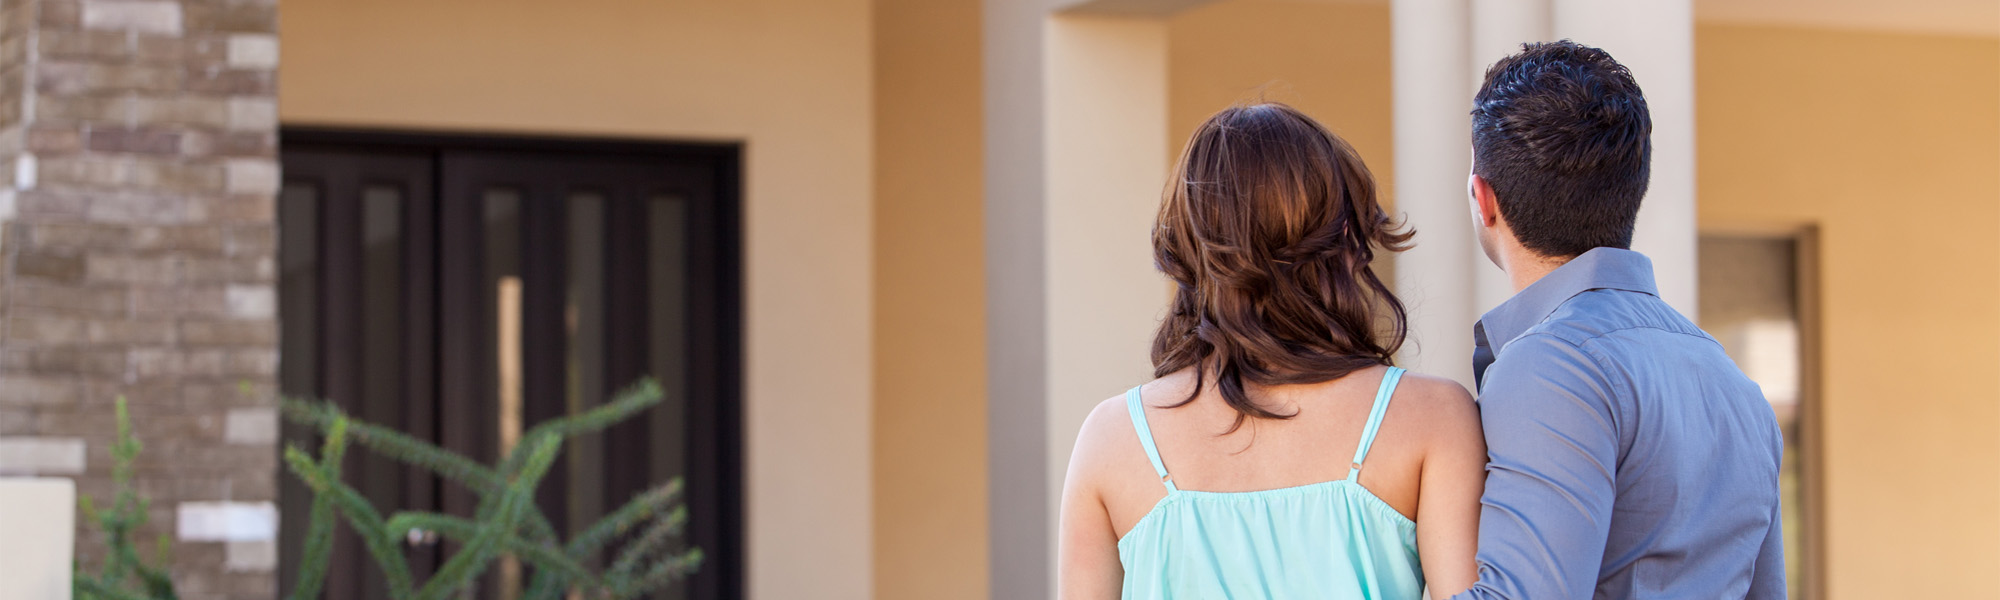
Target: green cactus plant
{"x": 506, "y": 521}
{"x": 124, "y": 575}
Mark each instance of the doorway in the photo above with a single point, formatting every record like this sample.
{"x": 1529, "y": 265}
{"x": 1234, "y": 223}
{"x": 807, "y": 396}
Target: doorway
{"x": 464, "y": 288}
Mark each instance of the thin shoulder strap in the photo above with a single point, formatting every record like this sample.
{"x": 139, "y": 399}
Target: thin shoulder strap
{"x": 1138, "y": 411}
{"x": 1382, "y": 396}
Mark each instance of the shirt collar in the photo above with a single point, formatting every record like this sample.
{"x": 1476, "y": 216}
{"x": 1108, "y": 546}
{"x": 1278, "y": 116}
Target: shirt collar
{"x": 1600, "y": 268}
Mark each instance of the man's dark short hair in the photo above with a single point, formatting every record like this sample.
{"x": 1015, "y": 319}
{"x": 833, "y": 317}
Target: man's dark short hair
{"x": 1562, "y": 134}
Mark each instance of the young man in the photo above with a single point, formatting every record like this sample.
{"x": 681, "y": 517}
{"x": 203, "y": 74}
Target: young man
{"x": 1629, "y": 458}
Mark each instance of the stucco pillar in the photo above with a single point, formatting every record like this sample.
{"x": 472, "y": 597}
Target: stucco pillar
{"x": 1076, "y": 135}
{"x": 1016, "y": 331}
{"x": 1107, "y": 118}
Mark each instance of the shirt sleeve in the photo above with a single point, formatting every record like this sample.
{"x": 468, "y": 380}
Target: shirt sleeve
{"x": 1552, "y": 448}
{"x": 1767, "y": 580}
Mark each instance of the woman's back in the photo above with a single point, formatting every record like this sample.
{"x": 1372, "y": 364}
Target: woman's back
{"x": 1278, "y": 508}
{"x": 1271, "y": 356}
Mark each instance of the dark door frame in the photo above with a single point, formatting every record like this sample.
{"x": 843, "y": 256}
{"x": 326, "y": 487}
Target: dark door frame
{"x": 456, "y": 374}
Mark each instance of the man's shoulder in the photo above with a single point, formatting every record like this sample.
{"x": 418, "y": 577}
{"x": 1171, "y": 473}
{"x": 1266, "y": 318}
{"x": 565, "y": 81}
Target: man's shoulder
{"x": 1605, "y": 337}
{"x": 1611, "y": 316}
{"x": 1626, "y": 341}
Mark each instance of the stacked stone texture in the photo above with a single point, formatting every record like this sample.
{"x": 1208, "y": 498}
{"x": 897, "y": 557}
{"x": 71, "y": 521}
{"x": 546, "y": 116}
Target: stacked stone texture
{"x": 138, "y": 166}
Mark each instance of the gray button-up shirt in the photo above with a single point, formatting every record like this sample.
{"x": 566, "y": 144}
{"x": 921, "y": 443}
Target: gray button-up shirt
{"x": 1628, "y": 456}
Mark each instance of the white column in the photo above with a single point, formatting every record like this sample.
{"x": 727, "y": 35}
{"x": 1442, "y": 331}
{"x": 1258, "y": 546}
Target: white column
{"x": 1655, "y": 39}
{"x": 1436, "y": 279}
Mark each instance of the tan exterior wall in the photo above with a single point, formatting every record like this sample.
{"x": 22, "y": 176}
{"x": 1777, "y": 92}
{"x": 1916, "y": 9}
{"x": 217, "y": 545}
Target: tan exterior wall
{"x": 1330, "y": 60}
{"x": 930, "y": 318}
{"x": 788, "y": 78}
{"x": 1890, "y": 144}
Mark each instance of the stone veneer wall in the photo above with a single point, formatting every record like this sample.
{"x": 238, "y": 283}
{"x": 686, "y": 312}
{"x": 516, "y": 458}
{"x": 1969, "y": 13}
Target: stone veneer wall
{"x": 138, "y": 166}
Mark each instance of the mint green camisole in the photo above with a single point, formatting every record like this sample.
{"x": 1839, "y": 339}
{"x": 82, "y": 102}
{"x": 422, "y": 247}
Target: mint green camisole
{"x": 1332, "y": 539}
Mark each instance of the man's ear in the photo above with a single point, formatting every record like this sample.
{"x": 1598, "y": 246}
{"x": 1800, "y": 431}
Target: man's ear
{"x": 1485, "y": 205}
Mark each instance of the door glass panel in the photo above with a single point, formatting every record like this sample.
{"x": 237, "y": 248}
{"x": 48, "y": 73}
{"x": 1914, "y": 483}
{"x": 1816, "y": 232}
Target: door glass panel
{"x": 298, "y": 288}
{"x": 502, "y": 207}
{"x": 667, "y": 290}
{"x": 381, "y": 357}
{"x": 584, "y": 317}
{"x": 379, "y": 382}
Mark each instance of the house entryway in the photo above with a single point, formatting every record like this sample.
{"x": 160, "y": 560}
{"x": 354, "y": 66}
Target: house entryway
{"x": 462, "y": 289}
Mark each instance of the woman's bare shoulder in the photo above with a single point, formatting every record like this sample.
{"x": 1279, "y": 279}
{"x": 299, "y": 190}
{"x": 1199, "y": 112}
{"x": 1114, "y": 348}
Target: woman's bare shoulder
{"x": 1109, "y": 426}
{"x": 1431, "y": 388}
{"x": 1444, "y": 407}
{"x": 1108, "y": 419}
{"x": 1106, "y": 439}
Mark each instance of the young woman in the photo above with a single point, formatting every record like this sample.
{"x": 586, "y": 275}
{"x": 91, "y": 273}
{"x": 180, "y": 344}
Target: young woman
{"x": 1278, "y": 454}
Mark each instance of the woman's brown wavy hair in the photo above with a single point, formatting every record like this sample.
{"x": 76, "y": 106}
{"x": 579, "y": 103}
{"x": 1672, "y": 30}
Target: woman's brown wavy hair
{"x": 1268, "y": 230}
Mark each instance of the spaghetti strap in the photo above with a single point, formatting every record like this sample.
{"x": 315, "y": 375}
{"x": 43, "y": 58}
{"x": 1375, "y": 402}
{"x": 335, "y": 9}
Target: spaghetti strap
{"x": 1138, "y": 410}
{"x": 1389, "y": 380}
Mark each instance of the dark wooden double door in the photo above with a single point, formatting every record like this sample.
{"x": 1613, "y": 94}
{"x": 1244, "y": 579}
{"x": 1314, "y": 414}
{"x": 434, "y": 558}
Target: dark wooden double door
{"x": 465, "y": 289}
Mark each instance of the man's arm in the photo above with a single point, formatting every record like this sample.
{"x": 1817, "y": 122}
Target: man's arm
{"x": 1552, "y": 447}
{"x": 1767, "y": 578}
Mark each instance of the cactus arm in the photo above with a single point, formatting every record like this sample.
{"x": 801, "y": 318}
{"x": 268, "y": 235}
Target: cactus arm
{"x": 397, "y": 445}
{"x": 504, "y": 515}
{"x": 644, "y": 506}
{"x": 362, "y": 516}
{"x": 465, "y": 531}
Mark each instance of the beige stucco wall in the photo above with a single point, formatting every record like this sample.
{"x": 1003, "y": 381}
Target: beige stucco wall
{"x": 1891, "y": 145}
{"x": 790, "y": 79}
{"x": 930, "y": 286}
{"x": 1330, "y": 60}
